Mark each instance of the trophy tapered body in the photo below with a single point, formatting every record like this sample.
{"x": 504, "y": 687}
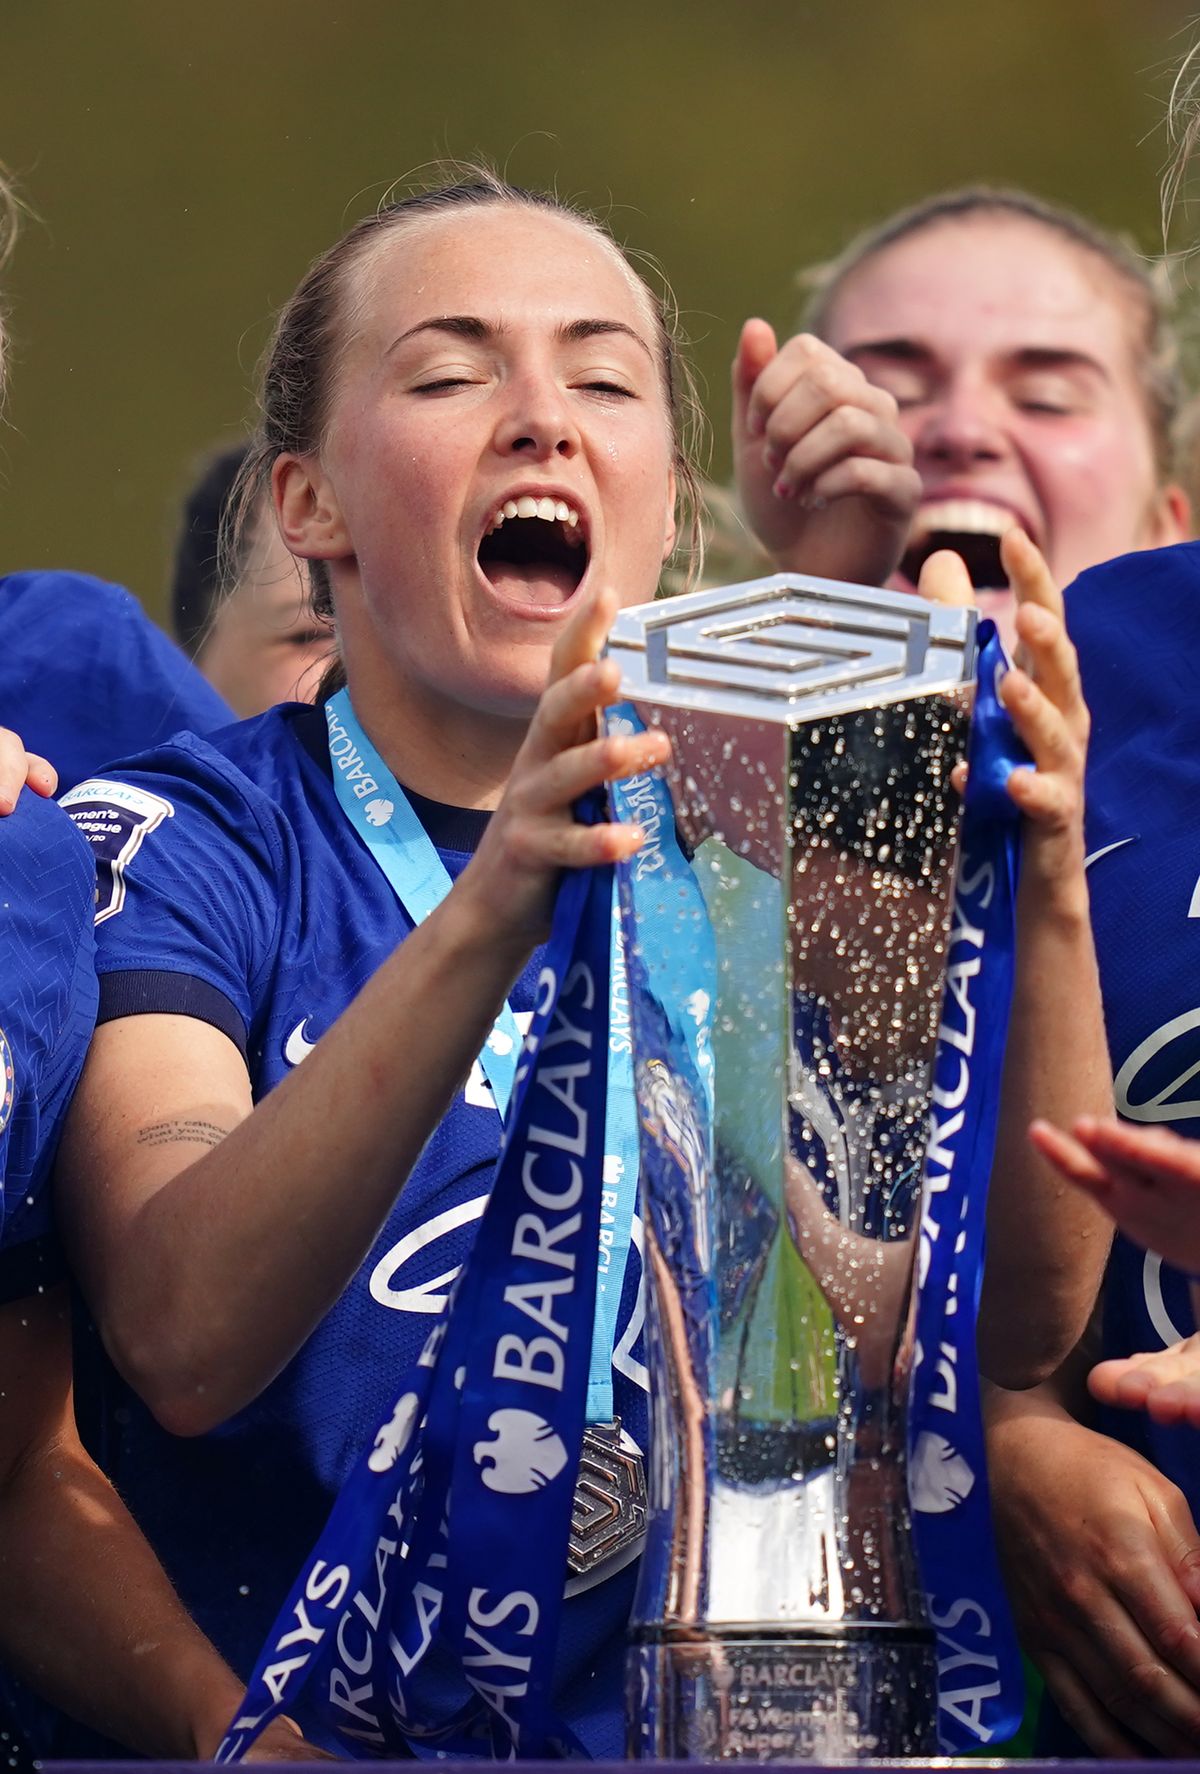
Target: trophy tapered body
{"x": 785, "y": 949}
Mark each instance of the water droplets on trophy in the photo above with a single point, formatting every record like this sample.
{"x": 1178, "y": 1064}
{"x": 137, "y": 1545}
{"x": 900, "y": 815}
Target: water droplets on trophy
{"x": 798, "y": 873}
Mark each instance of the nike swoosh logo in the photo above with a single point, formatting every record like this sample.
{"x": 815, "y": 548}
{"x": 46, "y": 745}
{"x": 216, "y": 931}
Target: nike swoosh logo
{"x": 296, "y": 1048}
{"x": 1097, "y": 854}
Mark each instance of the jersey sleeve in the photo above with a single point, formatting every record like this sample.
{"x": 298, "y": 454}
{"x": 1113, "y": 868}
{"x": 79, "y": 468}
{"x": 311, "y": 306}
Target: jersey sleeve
{"x": 189, "y": 869}
{"x": 47, "y": 1011}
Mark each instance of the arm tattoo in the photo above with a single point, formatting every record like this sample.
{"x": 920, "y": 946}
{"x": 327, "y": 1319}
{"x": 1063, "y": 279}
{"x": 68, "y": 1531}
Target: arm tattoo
{"x": 181, "y": 1133}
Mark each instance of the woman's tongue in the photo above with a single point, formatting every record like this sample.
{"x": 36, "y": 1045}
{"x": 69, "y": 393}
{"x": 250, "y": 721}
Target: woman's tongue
{"x": 539, "y": 583}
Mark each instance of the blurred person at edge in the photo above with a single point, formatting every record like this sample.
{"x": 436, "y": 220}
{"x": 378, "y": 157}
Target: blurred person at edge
{"x": 1028, "y": 359}
{"x": 86, "y": 676}
{"x": 248, "y": 625}
{"x": 1018, "y": 358}
{"x": 82, "y": 1597}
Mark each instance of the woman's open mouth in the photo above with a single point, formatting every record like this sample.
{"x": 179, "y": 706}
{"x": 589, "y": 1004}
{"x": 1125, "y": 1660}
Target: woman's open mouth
{"x": 534, "y": 551}
{"x": 972, "y": 528}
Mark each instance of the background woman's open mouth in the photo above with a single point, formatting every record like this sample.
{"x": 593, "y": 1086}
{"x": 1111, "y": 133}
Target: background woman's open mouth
{"x": 972, "y": 528}
{"x": 535, "y": 552}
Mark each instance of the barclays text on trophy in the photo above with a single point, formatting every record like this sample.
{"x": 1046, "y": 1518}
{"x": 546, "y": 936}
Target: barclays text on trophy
{"x": 798, "y": 876}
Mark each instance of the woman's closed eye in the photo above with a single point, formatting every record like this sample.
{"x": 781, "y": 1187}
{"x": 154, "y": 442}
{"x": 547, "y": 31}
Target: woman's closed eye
{"x": 1052, "y": 393}
{"x": 612, "y": 390}
{"x": 446, "y": 384}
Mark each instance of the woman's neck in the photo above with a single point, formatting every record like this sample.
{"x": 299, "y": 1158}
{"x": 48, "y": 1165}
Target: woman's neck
{"x": 449, "y": 753}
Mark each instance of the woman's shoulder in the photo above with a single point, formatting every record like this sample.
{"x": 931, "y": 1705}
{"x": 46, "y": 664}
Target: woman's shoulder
{"x": 225, "y": 804}
{"x": 1135, "y": 622}
{"x": 1135, "y": 593}
{"x": 251, "y": 758}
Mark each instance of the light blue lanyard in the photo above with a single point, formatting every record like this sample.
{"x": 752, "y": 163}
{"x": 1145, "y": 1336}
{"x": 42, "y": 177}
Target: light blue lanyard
{"x": 380, "y": 812}
{"x": 382, "y": 815}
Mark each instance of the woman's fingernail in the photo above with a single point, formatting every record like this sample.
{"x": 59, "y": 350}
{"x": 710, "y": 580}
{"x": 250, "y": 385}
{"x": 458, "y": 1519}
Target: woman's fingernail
{"x": 782, "y": 489}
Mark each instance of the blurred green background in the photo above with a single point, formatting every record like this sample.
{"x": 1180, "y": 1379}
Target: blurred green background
{"x": 186, "y": 162}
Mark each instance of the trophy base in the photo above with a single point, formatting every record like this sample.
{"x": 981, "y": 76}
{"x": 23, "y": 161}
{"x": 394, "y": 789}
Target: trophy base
{"x": 793, "y": 1699}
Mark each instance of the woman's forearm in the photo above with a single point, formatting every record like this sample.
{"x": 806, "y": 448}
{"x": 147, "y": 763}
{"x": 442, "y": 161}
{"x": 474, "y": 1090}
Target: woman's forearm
{"x": 1047, "y": 1244}
{"x": 87, "y": 1615}
{"x": 207, "y": 1282}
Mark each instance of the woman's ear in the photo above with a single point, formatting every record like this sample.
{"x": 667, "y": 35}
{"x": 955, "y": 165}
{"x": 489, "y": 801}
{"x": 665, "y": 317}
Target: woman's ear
{"x": 306, "y": 507}
{"x": 1173, "y": 519}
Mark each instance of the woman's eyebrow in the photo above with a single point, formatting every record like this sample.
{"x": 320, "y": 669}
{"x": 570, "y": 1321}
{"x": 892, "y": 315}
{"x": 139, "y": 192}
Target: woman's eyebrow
{"x": 457, "y": 326}
{"x": 1057, "y": 357}
{"x": 899, "y": 350}
{"x": 577, "y": 332}
{"x": 479, "y": 331}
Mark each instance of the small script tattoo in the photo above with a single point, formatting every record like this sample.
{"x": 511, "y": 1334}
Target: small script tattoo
{"x": 181, "y": 1133}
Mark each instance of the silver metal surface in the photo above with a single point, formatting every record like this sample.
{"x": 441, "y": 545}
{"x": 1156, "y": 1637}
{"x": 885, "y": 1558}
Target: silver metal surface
{"x": 814, "y": 727}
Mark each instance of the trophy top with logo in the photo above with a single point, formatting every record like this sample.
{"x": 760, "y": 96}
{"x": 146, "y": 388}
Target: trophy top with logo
{"x": 790, "y": 647}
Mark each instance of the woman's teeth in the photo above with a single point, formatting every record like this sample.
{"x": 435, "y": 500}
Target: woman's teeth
{"x": 549, "y": 510}
{"x": 967, "y": 517}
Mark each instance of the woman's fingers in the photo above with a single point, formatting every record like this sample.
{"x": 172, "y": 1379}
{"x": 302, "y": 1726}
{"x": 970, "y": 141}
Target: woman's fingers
{"x": 1047, "y": 654}
{"x": 891, "y": 487}
{"x": 543, "y": 841}
{"x": 20, "y": 769}
{"x": 796, "y": 387}
{"x": 1051, "y": 793}
{"x": 944, "y": 579}
{"x": 40, "y": 775}
{"x": 1070, "y": 1157}
{"x": 563, "y": 778}
{"x": 1085, "y": 1714}
{"x": 1028, "y": 574}
{"x": 845, "y": 435}
{"x": 1040, "y": 723}
{"x": 1147, "y": 1179}
{"x": 1154, "y": 1150}
{"x": 566, "y": 714}
{"x": 583, "y": 638}
{"x": 1163, "y": 1382}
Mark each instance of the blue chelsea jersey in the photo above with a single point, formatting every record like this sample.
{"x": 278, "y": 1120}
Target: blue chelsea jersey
{"x": 232, "y": 889}
{"x": 47, "y": 1009}
{"x": 1134, "y": 622}
{"x": 85, "y": 675}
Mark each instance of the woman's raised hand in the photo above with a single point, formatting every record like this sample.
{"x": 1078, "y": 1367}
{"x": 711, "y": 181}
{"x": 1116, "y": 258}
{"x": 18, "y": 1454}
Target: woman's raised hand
{"x": 533, "y": 834}
{"x": 22, "y": 769}
{"x": 824, "y": 473}
{"x": 1043, "y": 696}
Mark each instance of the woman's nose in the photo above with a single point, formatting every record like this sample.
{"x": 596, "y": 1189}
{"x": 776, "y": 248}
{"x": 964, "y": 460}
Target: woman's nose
{"x": 963, "y": 425}
{"x": 537, "y": 421}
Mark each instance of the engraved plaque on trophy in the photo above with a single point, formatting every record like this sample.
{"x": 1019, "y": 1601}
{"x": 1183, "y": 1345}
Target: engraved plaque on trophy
{"x": 801, "y": 853}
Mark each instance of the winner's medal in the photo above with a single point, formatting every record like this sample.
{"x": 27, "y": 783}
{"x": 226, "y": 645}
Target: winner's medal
{"x": 608, "y": 1517}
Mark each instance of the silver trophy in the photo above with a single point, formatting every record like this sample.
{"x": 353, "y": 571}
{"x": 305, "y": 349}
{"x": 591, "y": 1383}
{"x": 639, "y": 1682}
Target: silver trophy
{"x": 785, "y": 945}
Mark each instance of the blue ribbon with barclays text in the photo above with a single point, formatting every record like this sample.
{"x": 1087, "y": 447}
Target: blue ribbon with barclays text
{"x": 428, "y": 1608}
{"x": 980, "y": 1679}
